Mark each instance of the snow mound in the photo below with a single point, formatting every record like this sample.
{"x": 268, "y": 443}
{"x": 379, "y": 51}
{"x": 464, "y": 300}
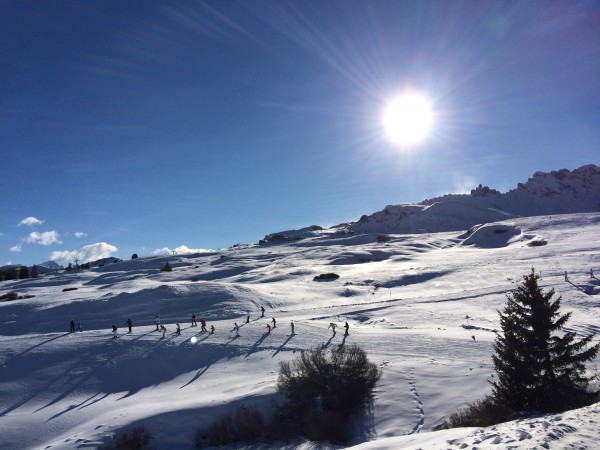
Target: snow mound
{"x": 492, "y": 236}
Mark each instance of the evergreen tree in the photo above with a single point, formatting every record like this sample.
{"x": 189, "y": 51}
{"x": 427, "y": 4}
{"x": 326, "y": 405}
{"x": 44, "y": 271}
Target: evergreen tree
{"x": 23, "y": 273}
{"x": 537, "y": 369}
{"x": 34, "y": 272}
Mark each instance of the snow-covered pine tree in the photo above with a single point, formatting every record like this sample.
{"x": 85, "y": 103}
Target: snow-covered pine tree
{"x": 537, "y": 369}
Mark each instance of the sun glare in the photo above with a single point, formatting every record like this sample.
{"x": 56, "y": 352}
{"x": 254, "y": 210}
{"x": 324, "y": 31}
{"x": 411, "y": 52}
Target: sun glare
{"x": 408, "y": 119}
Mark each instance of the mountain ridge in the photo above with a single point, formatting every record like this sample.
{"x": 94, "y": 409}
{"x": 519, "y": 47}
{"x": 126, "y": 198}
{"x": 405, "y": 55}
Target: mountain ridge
{"x": 557, "y": 192}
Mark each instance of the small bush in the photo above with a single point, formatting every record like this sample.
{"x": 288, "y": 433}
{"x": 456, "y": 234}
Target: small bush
{"x": 323, "y": 389}
{"x": 9, "y": 296}
{"x": 481, "y": 413}
{"x": 537, "y": 243}
{"x": 246, "y": 424}
{"x": 326, "y": 276}
{"x": 69, "y": 289}
{"x": 166, "y": 268}
{"x": 137, "y": 438}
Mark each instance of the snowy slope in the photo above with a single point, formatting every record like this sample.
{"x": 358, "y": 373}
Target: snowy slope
{"x": 405, "y": 301}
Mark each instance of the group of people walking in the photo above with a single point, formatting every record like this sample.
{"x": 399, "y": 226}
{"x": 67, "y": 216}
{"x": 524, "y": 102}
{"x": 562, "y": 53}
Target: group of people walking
{"x": 161, "y": 328}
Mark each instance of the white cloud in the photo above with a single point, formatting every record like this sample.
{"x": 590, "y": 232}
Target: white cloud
{"x": 45, "y": 238}
{"x": 86, "y": 253}
{"x": 80, "y": 234}
{"x": 31, "y": 221}
{"x": 16, "y": 249}
{"x": 181, "y": 250}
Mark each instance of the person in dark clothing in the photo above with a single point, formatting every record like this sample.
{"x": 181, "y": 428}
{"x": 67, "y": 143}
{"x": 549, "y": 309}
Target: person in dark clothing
{"x": 178, "y": 330}
{"x": 202, "y": 325}
{"x": 114, "y": 329}
{"x": 262, "y": 311}
{"x": 129, "y": 323}
{"x": 346, "y": 327}
{"x": 72, "y": 329}
{"x": 332, "y": 326}
{"x": 274, "y": 322}
{"x": 194, "y": 324}
{"x": 292, "y": 325}
{"x": 212, "y": 329}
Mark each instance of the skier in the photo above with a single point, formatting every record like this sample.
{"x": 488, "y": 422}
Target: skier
{"x": 178, "y": 331}
{"x": 332, "y": 326}
{"x": 202, "y": 325}
{"x": 164, "y": 330}
{"x": 346, "y": 327}
{"x": 262, "y": 311}
{"x": 268, "y": 329}
{"x": 212, "y": 329}
{"x": 566, "y": 277}
{"x": 274, "y": 322}
{"x": 292, "y": 325}
{"x": 157, "y": 322}
{"x": 591, "y": 273}
{"x": 248, "y": 317}
{"x": 194, "y": 324}
{"x": 72, "y": 323}
{"x": 129, "y": 323}
{"x": 236, "y": 328}
{"x": 79, "y": 326}
{"x": 114, "y": 330}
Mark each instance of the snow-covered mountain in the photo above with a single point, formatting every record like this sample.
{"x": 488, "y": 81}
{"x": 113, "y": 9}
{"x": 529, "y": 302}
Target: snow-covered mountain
{"x": 558, "y": 192}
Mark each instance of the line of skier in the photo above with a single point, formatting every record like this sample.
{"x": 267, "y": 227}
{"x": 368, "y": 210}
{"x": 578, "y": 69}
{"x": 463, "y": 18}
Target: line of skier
{"x": 161, "y": 328}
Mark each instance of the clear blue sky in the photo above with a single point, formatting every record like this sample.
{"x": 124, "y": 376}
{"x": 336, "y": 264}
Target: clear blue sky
{"x": 132, "y": 126}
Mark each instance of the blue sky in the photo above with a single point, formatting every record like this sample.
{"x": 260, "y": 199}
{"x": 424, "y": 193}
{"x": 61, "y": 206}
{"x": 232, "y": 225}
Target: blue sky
{"x": 135, "y": 126}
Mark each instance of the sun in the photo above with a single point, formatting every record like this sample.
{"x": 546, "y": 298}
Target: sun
{"x": 408, "y": 119}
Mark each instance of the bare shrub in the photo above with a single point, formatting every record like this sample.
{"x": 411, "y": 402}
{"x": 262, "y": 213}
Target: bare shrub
{"x": 326, "y": 276}
{"x": 537, "y": 243}
{"x": 137, "y": 438}
{"x": 9, "y": 296}
{"x": 481, "y": 413}
{"x": 324, "y": 388}
{"x": 246, "y": 424}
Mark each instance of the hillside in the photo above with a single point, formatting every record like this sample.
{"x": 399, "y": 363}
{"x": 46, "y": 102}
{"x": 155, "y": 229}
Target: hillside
{"x": 405, "y": 300}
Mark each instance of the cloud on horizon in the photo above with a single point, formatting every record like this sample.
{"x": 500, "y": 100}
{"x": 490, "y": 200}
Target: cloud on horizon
{"x": 45, "y": 238}
{"x": 90, "y": 252}
{"x": 181, "y": 250}
{"x": 31, "y": 221}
